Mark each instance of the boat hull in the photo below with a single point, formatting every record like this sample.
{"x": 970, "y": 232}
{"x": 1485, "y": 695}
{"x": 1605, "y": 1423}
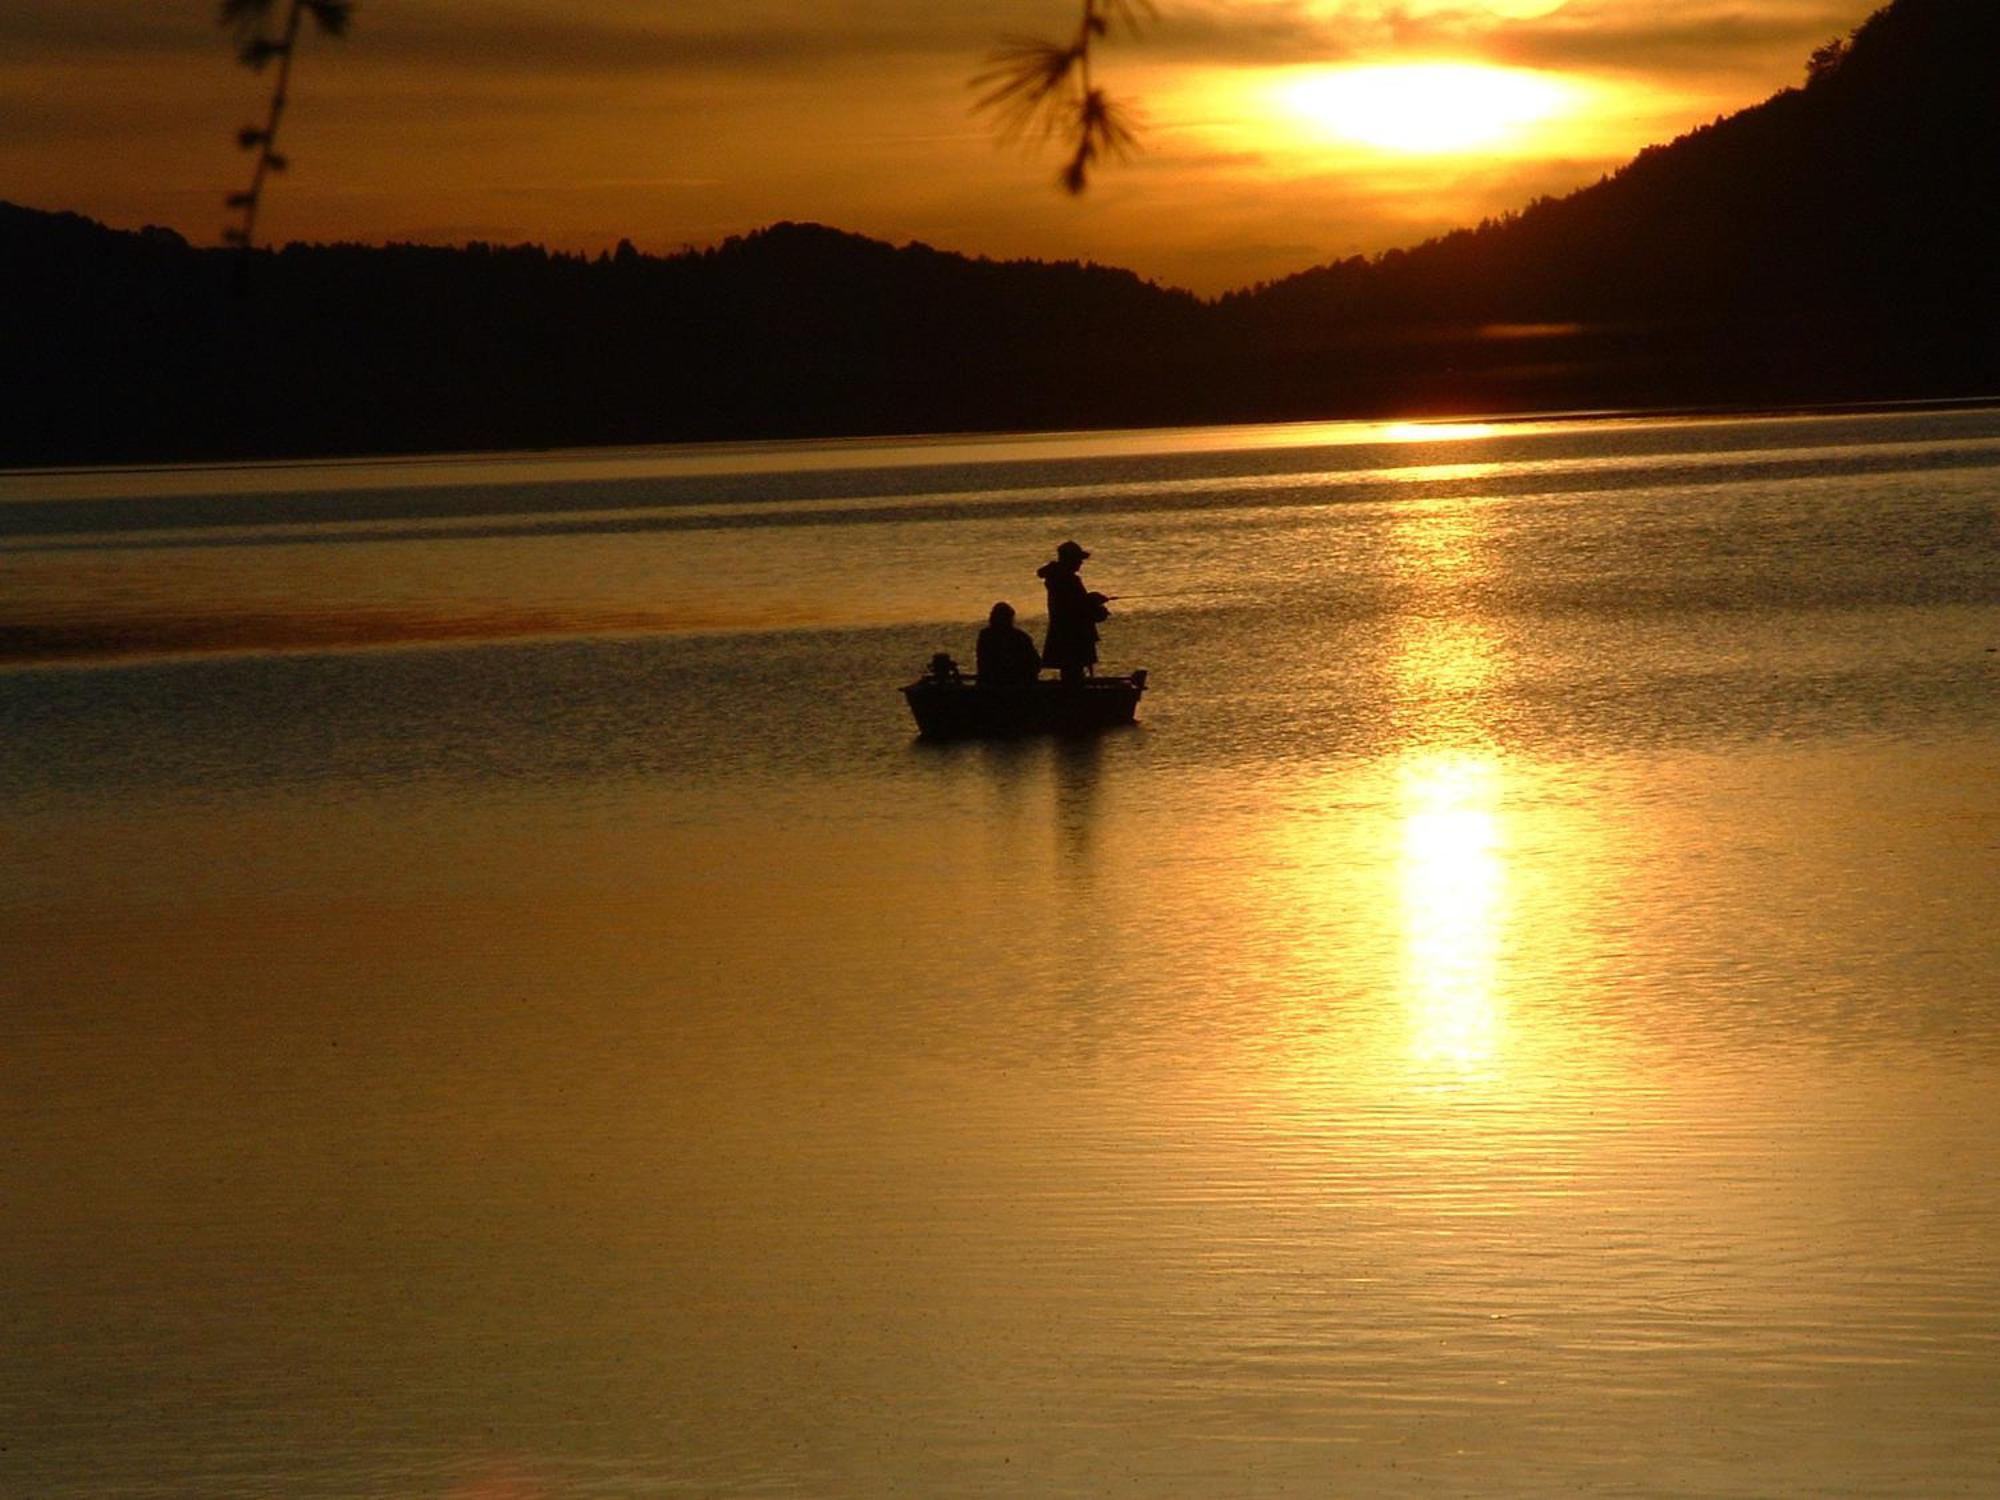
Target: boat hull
{"x": 965, "y": 710}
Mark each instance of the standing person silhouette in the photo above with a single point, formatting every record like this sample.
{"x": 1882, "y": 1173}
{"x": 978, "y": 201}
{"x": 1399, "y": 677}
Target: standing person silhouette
{"x": 1071, "y": 644}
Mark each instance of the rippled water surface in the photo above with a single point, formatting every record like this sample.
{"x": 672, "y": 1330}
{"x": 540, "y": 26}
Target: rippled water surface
{"x": 496, "y": 1002}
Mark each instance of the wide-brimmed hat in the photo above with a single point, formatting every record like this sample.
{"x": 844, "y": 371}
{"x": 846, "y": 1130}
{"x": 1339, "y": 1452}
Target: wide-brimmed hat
{"x": 1071, "y": 549}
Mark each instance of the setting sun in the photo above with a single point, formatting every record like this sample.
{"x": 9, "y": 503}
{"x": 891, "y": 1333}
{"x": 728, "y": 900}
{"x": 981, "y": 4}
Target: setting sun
{"x": 1426, "y": 108}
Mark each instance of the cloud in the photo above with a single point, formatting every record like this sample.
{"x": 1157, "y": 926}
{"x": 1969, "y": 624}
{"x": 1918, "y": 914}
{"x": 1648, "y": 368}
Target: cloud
{"x": 792, "y": 36}
{"x": 613, "y": 185}
{"x": 666, "y": 42}
{"x": 1177, "y": 161}
{"x": 81, "y": 28}
{"x": 1717, "y": 37}
{"x": 648, "y": 37}
{"x": 1691, "y": 40}
{"x": 1279, "y": 33}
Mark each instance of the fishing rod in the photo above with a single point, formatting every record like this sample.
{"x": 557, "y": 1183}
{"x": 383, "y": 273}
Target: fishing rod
{"x": 1171, "y": 594}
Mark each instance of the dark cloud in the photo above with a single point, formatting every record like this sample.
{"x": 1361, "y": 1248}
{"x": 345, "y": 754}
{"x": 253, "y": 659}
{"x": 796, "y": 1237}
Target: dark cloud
{"x": 1701, "y": 36}
{"x": 523, "y": 39}
{"x": 1691, "y": 40}
{"x": 71, "y": 28}
{"x": 611, "y": 185}
{"x": 1283, "y": 34}
{"x": 526, "y": 37}
{"x": 487, "y": 37}
{"x": 1726, "y": 36}
{"x": 1157, "y": 160}
{"x": 44, "y": 121}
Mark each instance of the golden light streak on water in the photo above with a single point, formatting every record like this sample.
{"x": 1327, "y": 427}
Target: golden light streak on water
{"x": 1454, "y": 904}
{"x": 1452, "y": 874}
{"x": 1435, "y": 432}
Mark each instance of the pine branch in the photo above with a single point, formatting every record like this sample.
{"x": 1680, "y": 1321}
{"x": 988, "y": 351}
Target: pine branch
{"x": 255, "y": 47}
{"x": 1030, "y": 85}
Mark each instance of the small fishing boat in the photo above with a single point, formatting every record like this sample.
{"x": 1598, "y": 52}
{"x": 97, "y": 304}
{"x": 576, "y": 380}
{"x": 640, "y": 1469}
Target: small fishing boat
{"x": 948, "y": 705}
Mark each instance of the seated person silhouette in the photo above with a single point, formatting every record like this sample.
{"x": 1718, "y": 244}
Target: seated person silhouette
{"x": 1007, "y": 655}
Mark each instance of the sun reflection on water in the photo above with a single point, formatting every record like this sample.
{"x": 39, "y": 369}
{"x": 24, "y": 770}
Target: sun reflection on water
{"x": 1448, "y": 661}
{"x": 1454, "y": 897}
{"x": 1435, "y": 432}
{"x": 1450, "y": 848}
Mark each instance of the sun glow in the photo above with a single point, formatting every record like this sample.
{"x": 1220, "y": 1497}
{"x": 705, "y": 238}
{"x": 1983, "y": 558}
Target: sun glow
{"x": 1426, "y": 108}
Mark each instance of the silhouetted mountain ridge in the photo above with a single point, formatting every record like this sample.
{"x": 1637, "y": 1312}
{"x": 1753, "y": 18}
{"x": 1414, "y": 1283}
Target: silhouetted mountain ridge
{"x": 1839, "y": 241}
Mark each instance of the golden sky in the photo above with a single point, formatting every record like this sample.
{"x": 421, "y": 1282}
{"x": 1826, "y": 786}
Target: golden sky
{"x": 1278, "y": 134}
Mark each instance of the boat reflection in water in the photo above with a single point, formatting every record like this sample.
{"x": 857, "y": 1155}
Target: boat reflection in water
{"x": 948, "y": 705}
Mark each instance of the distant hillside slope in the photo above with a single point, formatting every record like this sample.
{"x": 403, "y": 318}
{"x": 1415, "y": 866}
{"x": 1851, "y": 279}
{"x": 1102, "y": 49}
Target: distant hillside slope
{"x": 1839, "y": 241}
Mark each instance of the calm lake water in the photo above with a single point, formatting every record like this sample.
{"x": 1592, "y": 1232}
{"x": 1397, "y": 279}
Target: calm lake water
{"x": 495, "y": 1003}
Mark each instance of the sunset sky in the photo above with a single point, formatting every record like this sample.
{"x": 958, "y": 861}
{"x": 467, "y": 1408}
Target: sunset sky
{"x": 1278, "y": 134}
